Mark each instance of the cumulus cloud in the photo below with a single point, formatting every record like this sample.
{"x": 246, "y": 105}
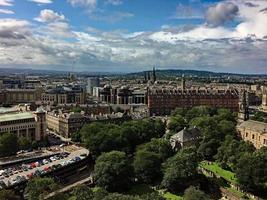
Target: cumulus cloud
{"x": 55, "y": 44}
{"x": 187, "y": 12}
{"x": 88, "y": 4}
{"x": 114, "y": 2}
{"x": 6, "y": 11}
{"x": 6, "y": 2}
{"x": 13, "y": 29}
{"x": 221, "y": 13}
{"x": 111, "y": 17}
{"x": 42, "y": 1}
{"x": 49, "y": 16}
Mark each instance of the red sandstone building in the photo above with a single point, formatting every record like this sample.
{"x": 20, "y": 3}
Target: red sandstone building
{"x": 162, "y": 102}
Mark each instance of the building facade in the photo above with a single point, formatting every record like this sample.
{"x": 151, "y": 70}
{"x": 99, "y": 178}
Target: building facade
{"x": 254, "y": 132}
{"x": 29, "y": 125}
{"x": 162, "y": 102}
{"x": 64, "y": 95}
{"x": 16, "y": 96}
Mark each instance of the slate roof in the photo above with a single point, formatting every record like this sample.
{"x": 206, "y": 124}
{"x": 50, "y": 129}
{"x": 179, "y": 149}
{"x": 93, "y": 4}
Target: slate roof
{"x": 187, "y": 135}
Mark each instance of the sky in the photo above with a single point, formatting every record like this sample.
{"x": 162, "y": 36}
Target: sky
{"x": 134, "y": 35}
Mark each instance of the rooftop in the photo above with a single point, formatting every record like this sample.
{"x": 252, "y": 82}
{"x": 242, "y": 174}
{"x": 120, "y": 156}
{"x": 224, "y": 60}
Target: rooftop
{"x": 15, "y": 116}
{"x": 254, "y": 125}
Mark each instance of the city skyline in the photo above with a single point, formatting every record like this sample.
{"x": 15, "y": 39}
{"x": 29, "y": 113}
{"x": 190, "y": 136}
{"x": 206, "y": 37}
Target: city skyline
{"x": 128, "y": 36}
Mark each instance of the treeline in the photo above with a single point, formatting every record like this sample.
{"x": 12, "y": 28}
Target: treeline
{"x": 10, "y": 144}
{"x": 139, "y": 153}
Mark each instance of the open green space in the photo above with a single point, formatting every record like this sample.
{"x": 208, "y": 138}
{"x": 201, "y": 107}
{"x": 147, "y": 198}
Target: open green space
{"x": 216, "y": 169}
{"x": 142, "y": 189}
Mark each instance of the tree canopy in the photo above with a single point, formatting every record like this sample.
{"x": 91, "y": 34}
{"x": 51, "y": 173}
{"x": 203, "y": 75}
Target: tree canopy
{"x": 113, "y": 171}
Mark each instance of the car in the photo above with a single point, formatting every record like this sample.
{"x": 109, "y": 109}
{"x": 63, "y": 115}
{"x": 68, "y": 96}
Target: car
{"x": 30, "y": 175}
{"x": 52, "y": 158}
{"x": 45, "y": 161}
{"x": 77, "y": 158}
{"x": 2, "y": 184}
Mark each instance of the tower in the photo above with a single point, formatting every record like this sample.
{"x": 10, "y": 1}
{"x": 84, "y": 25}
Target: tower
{"x": 154, "y": 75}
{"x": 40, "y": 118}
{"x": 145, "y": 76}
{"x": 244, "y": 107}
{"x": 148, "y": 75}
{"x": 183, "y": 83}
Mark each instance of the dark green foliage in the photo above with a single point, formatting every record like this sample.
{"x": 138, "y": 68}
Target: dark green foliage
{"x": 113, "y": 171}
{"x": 193, "y": 193}
{"x": 199, "y": 111}
{"x": 176, "y": 123}
{"x": 160, "y": 146}
{"x": 8, "y": 144}
{"x": 104, "y": 138}
{"x": 180, "y": 169}
{"x": 116, "y": 196}
{"x": 260, "y": 116}
{"x": 179, "y": 111}
{"x": 251, "y": 170}
{"x": 82, "y": 192}
{"x": 76, "y": 137}
{"x": 231, "y": 151}
{"x": 147, "y": 166}
{"x": 8, "y": 195}
{"x": 37, "y": 188}
{"x": 24, "y": 143}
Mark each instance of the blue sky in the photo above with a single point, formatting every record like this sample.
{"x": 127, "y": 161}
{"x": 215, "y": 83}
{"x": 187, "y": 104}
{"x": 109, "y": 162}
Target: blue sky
{"x": 133, "y": 35}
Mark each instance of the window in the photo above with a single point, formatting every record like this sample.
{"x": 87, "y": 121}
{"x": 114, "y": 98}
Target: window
{"x": 246, "y": 134}
{"x": 253, "y": 136}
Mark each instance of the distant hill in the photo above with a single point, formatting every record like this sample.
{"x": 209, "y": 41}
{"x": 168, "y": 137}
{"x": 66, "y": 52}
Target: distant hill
{"x": 192, "y": 73}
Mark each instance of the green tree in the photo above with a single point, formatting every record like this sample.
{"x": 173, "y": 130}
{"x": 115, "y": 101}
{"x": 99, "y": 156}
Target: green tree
{"x": 113, "y": 171}
{"x": 37, "y": 188}
{"x": 8, "y": 144}
{"x": 231, "y": 150}
{"x": 82, "y": 192}
{"x": 176, "y": 123}
{"x": 227, "y": 127}
{"x": 179, "y": 111}
{"x": 8, "y": 195}
{"x": 147, "y": 166}
{"x": 76, "y": 137}
{"x": 198, "y": 111}
{"x": 160, "y": 146}
{"x": 24, "y": 143}
{"x": 251, "y": 170}
{"x": 193, "y": 193}
{"x": 180, "y": 169}
{"x": 115, "y": 196}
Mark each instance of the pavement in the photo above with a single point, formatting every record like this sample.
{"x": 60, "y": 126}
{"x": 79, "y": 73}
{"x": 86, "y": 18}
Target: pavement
{"x": 77, "y": 151}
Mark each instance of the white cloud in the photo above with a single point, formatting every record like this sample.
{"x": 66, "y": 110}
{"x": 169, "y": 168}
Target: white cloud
{"x": 49, "y": 16}
{"x": 6, "y": 11}
{"x": 88, "y": 4}
{"x": 42, "y": 1}
{"x": 6, "y": 2}
{"x": 220, "y": 13}
{"x": 114, "y": 2}
{"x": 55, "y": 44}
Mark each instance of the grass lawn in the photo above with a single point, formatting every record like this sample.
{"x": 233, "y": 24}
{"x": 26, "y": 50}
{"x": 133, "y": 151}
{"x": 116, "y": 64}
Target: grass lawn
{"x": 216, "y": 169}
{"x": 145, "y": 189}
{"x": 170, "y": 196}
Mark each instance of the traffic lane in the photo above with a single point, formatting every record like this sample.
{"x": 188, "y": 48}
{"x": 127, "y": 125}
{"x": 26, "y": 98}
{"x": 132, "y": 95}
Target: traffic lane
{"x": 50, "y": 164}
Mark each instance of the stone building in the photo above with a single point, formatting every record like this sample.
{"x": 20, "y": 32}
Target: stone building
{"x": 64, "y": 95}
{"x": 15, "y": 96}
{"x": 162, "y": 102}
{"x": 25, "y": 124}
{"x": 185, "y": 137}
{"x": 254, "y": 132}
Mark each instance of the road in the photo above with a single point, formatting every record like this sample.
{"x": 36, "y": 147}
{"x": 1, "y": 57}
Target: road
{"x": 73, "y": 154}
